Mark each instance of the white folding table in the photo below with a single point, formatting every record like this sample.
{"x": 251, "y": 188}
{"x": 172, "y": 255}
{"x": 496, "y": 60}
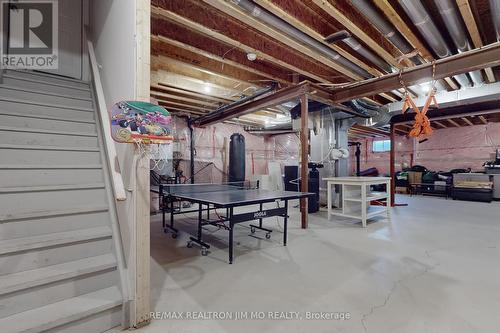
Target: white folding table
{"x": 357, "y": 196}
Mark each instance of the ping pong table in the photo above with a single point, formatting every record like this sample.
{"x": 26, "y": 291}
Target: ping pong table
{"x": 224, "y": 196}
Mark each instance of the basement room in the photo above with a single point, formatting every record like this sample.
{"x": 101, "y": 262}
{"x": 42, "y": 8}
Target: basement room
{"x": 251, "y": 165}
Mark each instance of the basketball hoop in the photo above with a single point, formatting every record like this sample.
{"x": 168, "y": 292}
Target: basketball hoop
{"x": 147, "y": 126}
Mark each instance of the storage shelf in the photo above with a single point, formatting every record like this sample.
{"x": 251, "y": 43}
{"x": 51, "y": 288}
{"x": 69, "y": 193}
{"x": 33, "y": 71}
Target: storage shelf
{"x": 370, "y": 197}
{"x": 372, "y": 211}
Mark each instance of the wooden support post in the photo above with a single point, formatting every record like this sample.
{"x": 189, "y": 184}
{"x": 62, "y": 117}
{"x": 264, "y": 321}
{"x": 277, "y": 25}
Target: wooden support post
{"x": 304, "y": 149}
{"x": 393, "y": 162}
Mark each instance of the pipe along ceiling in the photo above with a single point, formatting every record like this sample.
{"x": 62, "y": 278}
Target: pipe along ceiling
{"x": 420, "y": 18}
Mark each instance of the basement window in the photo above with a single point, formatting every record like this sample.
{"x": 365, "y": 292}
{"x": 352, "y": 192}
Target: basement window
{"x": 381, "y": 146}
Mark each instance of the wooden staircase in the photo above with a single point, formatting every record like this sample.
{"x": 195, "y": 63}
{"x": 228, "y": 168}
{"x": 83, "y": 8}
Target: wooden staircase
{"x": 58, "y": 266}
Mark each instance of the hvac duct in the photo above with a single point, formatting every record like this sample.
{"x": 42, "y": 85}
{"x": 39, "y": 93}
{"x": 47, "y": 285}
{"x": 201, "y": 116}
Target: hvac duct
{"x": 428, "y": 29}
{"x": 457, "y": 32}
{"x": 495, "y": 13}
{"x": 356, "y": 46}
{"x": 270, "y": 19}
{"x": 385, "y": 28}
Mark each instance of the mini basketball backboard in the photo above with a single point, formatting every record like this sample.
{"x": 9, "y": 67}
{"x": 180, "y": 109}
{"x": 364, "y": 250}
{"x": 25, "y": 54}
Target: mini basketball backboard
{"x": 140, "y": 123}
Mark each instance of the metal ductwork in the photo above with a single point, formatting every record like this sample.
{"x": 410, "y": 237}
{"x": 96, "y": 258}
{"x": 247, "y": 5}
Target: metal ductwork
{"x": 365, "y": 8}
{"x": 495, "y": 13}
{"x": 428, "y": 29}
{"x": 457, "y": 32}
{"x": 376, "y": 60}
{"x": 276, "y": 22}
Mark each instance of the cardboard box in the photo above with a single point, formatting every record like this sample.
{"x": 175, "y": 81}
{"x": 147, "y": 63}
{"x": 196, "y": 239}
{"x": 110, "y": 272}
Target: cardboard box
{"x": 414, "y": 177}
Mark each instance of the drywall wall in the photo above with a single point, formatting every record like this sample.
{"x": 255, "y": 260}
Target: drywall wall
{"x": 119, "y": 30}
{"x": 446, "y": 149}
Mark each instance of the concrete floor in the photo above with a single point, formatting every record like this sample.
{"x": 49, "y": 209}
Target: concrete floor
{"x": 434, "y": 268}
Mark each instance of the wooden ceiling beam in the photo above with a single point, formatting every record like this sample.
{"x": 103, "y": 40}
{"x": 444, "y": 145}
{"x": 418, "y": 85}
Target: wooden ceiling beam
{"x": 276, "y": 10}
{"x": 180, "y": 99}
{"x": 162, "y": 49}
{"x": 178, "y": 109}
{"x": 440, "y": 124}
{"x": 189, "y": 94}
{"x": 192, "y": 84}
{"x": 470, "y": 23}
{"x": 183, "y": 105}
{"x": 182, "y": 37}
{"x": 454, "y": 123}
{"x": 467, "y": 121}
{"x": 483, "y": 120}
{"x": 357, "y": 31}
{"x": 402, "y": 27}
{"x": 235, "y": 12}
{"x": 240, "y": 37}
{"x": 178, "y": 67}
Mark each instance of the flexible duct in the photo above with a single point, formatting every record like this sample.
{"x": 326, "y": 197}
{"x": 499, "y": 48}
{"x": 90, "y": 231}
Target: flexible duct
{"x": 495, "y": 13}
{"x": 270, "y": 19}
{"x": 457, "y": 32}
{"x": 428, "y": 29}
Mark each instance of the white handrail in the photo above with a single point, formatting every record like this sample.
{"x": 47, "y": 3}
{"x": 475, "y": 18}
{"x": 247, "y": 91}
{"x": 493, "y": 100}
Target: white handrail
{"x": 116, "y": 177}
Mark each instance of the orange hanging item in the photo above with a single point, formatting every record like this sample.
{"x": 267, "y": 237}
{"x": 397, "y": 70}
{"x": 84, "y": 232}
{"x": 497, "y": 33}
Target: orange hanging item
{"x": 422, "y": 126}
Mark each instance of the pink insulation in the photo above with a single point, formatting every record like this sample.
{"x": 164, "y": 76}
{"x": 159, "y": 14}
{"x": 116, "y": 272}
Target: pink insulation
{"x": 209, "y": 143}
{"x": 447, "y": 148}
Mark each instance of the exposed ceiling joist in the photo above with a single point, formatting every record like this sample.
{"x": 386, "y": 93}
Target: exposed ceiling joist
{"x": 470, "y": 23}
{"x": 201, "y": 28}
{"x": 483, "y": 120}
{"x": 276, "y": 10}
{"x": 402, "y": 27}
{"x": 440, "y": 124}
{"x": 165, "y": 51}
{"x": 238, "y": 14}
{"x": 357, "y": 31}
{"x": 187, "y": 93}
{"x": 488, "y": 56}
{"x": 178, "y": 67}
{"x": 467, "y": 121}
{"x": 454, "y": 123}
{"x": 192, "y": 84}
{"x": 184, "y": 99}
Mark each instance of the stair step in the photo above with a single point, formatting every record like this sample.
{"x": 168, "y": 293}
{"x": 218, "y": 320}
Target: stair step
{"x": 63, "y": 312}
{"x": 49, "y": 188}
{"x": 55, "y": 148}
{"x": 48, "y": 78}
{"x": 37, "y": 97}
{"x": 45, "y": 131}
{"x": 48, "y": 167}
{"x": 48, "y": 117}
{"x": 61, "y": 212}
{"x": 36, "y": 90}
{"x": 28, "y": 279}
{"x": 83, "y": 89}
{"x": 24, "y": 177}
{"x": 16, "y": 108}
{"x": 53, "y": 239}
{"x": 43, "y": 103}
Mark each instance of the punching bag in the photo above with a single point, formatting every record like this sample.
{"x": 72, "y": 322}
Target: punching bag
{"x": 237, "y": 158}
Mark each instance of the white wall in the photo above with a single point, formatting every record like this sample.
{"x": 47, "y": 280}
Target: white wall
{"x": 119, "y": 30}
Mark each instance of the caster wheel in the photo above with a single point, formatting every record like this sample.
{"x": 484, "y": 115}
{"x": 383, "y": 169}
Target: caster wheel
{"x": 268, "y": 235}
{"x": 174, "y": 235}
{"x": 204, "y": 252}
{"x": 252, "y": 230}
{"x": 189, "y": 244}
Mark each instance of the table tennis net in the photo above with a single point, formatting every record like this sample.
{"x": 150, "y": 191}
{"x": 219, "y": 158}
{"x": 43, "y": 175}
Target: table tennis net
{"x": 210, "y": 187}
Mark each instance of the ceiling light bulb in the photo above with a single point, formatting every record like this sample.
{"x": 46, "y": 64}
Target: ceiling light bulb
{"x": 251, "y": 56}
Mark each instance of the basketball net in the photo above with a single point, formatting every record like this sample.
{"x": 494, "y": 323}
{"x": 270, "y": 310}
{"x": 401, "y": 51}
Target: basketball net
{"x": 156, "y": 152}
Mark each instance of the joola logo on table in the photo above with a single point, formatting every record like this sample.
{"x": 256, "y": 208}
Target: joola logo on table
{"x": 260, "y": 214}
